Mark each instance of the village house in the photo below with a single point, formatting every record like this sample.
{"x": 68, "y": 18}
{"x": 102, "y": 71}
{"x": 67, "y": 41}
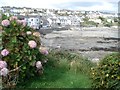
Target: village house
{"x": 33, "y": 21}
{"x": 96, "y": 20}
{"x": 37, "y": 17}
{"x": 75, "y": 21}
{"x": 16, "y": 10}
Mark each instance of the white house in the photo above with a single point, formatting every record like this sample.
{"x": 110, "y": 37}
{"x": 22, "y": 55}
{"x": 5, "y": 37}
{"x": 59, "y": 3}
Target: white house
{"x": 63, "y": 20}
{"x": 59, "y": 20}
{"x": 108, "y": 15}
{"x": 96, "y": 20}
{"x": 75, "y": 21}
{"x": 110, "y": 20}
{"x": 17, "y": 10}
{"x": 33, "y": 21}
{"x": 49, "y": 22}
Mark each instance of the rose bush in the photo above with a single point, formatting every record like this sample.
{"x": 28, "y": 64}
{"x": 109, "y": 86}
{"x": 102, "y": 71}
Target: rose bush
{"x": 21, "y": 57}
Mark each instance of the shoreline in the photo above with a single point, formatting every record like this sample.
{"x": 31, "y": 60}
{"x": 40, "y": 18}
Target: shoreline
{"x": 89, "y": 43}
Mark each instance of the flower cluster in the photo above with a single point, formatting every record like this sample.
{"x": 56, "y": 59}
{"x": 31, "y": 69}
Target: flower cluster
{"x": 12, "y": 18}
{"x": 38, "y": 65}
{"x": 4, "y": 52}
{"x": 43, "y": 50}
{"x": 23, "y": 22}
{"x": 3, "y": 64}
{"x": 20, "y": 52}
{"x": 37, "y": 34}
{"x": 5, "y": 22}
{"x": 28, "y": 32}
{"x": 3, "y": 68}
{"x": 20, "y": 49}
{"x": 32, "y": 44}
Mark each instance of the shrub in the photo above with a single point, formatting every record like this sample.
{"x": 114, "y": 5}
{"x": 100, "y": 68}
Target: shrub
{"x": 107, "y": 72}
{"x": 21, "y": 51}
{"x": 70, "y": 61}
{"x": 108, "y": 24}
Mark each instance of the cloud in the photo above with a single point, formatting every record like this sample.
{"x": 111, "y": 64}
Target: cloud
{"x": 110, "y": 5}
{"x": 99, "y": 7}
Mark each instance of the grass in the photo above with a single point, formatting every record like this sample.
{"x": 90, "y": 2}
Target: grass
{"x": 59, "y": 74}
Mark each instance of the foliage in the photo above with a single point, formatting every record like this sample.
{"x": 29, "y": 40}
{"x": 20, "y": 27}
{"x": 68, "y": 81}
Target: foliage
{"x": 59, "y": 74}
{"x": 86, "y": 19}
{"x": 71, "y": 61}
{"x": 89, "y": 24}
{"x": 4, "y": 17}
{"x": 115, "y": 19}
{"x": 102, "y": 18}
{"x": 107, "y": 73}
{"x": 22, "y": 46}
{"x": 108, "y": 24}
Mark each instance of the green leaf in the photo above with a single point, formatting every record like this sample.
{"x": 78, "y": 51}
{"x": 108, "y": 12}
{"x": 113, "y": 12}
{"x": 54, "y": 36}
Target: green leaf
{"x": 24, "y": 67}
{"x": 14, "y": 40}
{"x": 30, "y": 58}
{"x": 18, "y": 59}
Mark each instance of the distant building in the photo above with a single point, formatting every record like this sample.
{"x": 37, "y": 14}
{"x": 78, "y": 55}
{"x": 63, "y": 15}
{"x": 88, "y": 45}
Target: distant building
{"x": 74, "y": 21}
{"x": 33, "y": 21}
{"x": 110, "y": 20}
{"x": 96, "y": 20}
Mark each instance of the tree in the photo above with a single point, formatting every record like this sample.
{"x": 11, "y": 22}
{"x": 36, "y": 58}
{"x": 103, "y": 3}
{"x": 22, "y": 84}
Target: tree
{"x": 101, "y": 18}
{"x": 115, "y": 19}
{"x": 86, "y": 19}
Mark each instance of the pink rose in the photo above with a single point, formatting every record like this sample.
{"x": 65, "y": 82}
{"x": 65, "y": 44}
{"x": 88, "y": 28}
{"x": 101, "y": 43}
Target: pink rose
{"x": 4, "y": 72}
{"x": 32, "y": 44}
{"x": 3, "y": 64}
{"x": 5, "y": 22}
{"x": 5, "y": 52}
{"x": 13, "y": 18}
{"x": 38, "y": 65}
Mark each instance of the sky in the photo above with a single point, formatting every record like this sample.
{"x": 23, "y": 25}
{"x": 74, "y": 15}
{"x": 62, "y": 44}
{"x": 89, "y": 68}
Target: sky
{"x": 88, "y": 5}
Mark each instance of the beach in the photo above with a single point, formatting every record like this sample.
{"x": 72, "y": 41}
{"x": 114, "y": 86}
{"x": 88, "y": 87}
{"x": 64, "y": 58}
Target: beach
{"x": 93, "y": 43}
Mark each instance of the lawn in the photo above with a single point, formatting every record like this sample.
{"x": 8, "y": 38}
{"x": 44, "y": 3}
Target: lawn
{"x": 59, "y": 74}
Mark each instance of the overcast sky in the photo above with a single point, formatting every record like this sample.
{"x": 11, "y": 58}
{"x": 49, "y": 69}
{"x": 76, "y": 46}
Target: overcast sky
{"x": 99, "y": 5}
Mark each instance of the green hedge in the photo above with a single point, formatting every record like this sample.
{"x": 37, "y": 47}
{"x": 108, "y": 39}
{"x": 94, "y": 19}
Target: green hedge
{"x": 107, "y": 73}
